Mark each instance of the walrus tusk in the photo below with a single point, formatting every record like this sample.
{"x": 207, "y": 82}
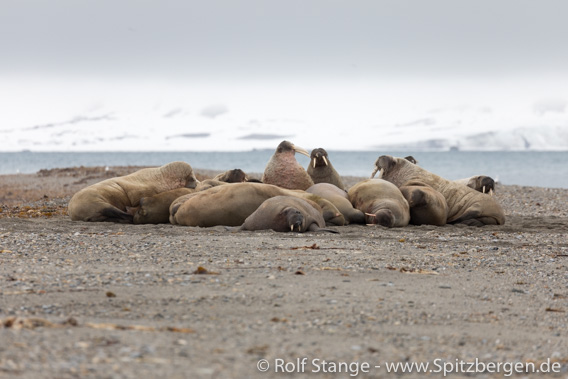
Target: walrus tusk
{"x": 381, "y": 173}
{"x": 292, "y": 227}
{"x": 325, "y": 160}
{"x": 491, "y": 192}
{"x": 370, "y": 214}
{"x": 314, "y": 162}
{"x": 301, "y": 150}
{"x": 374, "y": 172}
{"x": 483, "y": 189}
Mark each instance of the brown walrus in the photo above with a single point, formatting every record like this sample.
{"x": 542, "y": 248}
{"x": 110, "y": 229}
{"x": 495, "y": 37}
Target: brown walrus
{"x": 283, "y": 170}
{"x": 156, "y": 209}
{"x": 321, "y": 170}
{"x": 381, "y": 201}
{"x": 286, "y": 214}
{"x": 231, "y": 204}
{"x": 481, "y": 183}
{"x": 427, "y": 206}
{"x": 465, "y": 205}
{"x": 109, "y": 200}
{"x": 340, "y": 199}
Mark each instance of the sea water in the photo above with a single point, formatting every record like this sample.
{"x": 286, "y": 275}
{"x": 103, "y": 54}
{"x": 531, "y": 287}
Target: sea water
{"x": 542, "y": 169}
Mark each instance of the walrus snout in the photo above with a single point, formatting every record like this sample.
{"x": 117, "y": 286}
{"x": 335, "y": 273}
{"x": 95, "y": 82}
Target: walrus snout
{"x": 384, "y": 164}
{"x": 295, "y": 219}
{"x": 319, "y": 157}
{"x": 383, "y": 217}
{"x": 487, "y": 184}
{"x": 192, "y": 183}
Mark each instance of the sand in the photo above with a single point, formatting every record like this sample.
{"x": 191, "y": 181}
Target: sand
{"x": 106, "y": 300}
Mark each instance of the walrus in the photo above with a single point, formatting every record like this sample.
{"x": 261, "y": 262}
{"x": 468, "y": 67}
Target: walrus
{"x": 109, "y": 200}
{"x": 321, "y": 170}
{"x": 231, "y": 204}
{"x": 235, "y": 175}
{"x": 286, "y": 214}
{"x": 156, "y": 209}
{"x": 283, "y": 170}
{"x": 465, "y": 205}
{"x": 340, "y": 199}
{"x": 381, "y": 201}
{"x": 427, "y": 206}
{"x": 481, "y": 183}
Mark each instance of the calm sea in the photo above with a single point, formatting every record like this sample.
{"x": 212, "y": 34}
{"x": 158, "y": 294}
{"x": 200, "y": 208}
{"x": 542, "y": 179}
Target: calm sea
{"x": 543, "y": 169}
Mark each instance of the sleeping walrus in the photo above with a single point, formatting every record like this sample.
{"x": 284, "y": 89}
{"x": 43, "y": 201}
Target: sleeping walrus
{"x": 465, "y": 205}
{"x": 286, "y": 214}
{"x": 111, "y": 199}
{"x": 427, "y": 206}
{"x": 381, "y": 201}
{"x": 340, "y": 199}
{"x": 231, "y": 204}
{"x": 156, "y": 209}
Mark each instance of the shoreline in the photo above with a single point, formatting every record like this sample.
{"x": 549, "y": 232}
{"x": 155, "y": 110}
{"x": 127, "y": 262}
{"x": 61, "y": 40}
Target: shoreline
{"x": 100, "y": 300}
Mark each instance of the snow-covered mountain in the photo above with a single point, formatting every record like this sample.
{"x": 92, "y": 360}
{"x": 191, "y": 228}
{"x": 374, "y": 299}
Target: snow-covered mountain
{"x": 55, "y": 118}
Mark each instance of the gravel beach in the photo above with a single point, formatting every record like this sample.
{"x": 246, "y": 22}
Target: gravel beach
{"x": 110, "y": 300}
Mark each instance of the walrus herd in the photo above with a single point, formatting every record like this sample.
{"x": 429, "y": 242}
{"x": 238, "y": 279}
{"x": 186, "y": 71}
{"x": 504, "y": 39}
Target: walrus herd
{"x": 290, "y": 198}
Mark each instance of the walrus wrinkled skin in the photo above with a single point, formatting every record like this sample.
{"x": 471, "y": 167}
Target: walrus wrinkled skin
{"x": 321, "y": 170}
{"x": 340, "y": 199}
{"x": 381, "y": 201}
{"x": 465, "y": 205}
{"x": 156, "y": 209}
{"x": 109, "y": 200}
{"x": 481, "y": 183}
{"x": 232, "y": 203}
{"x": 283, "y": 170}
{"x": 427, "y": 206}
{"x": 286, "y": 214}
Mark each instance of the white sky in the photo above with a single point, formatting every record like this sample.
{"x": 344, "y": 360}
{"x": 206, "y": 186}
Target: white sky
{"x": 248, "y": 39}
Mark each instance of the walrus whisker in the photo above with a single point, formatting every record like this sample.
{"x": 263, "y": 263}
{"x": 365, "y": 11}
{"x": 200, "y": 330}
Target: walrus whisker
{"x": 325, "y": 160}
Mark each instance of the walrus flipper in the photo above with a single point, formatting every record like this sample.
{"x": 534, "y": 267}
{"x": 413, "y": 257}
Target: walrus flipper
{"x": 481, "y": 221}
{"x": 114, "y": 214}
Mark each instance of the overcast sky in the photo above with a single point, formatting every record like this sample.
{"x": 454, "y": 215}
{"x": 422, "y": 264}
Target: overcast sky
{"x": 321, "y": 39}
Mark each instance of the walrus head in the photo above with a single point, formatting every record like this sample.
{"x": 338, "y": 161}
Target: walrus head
{"x": 232, "y": 176}
{"x": 295, "y": 219}
{"x": 319, "y": 157}
{"x": 383, "y": 217}
{"x": 286, "y": 146}
{"x": 486, "y": 184}
{"x": 384, "y": 163}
